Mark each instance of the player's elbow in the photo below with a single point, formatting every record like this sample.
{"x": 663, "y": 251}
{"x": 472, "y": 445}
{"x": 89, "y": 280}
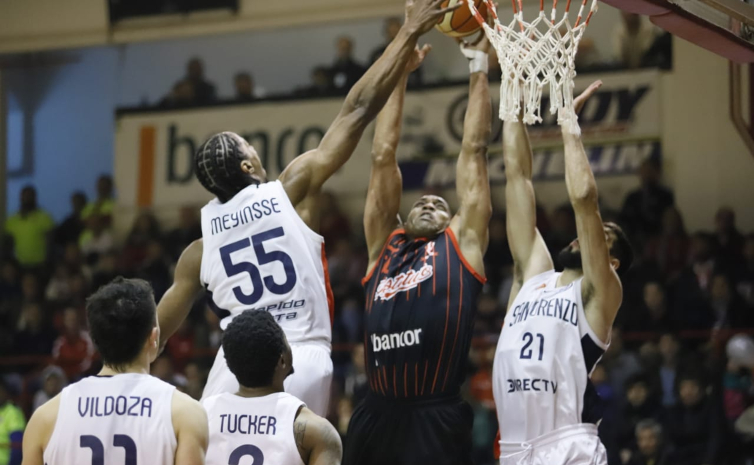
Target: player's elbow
{"x": 584, "y": 196}
{"x": 383, "y": 154}
{"x": 475, "y": 148}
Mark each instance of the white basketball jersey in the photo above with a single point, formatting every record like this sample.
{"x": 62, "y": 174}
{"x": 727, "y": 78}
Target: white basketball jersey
{"x": 117, "y": 420}
{"x": 543, "y": 361}
{"x": 259, "y": 254}
{"x": 257, "y": 428}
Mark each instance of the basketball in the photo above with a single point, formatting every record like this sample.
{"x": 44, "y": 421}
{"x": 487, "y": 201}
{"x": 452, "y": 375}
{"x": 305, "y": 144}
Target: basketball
{"x": 460, "y": 22}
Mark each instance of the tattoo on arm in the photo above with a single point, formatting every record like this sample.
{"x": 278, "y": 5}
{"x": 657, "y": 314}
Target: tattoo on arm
{"x": 299, "y": 430}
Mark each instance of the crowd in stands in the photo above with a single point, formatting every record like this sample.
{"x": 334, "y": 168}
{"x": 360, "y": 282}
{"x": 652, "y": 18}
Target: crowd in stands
{"x": 671, "y": 396}
{"x": 636, "y": 43}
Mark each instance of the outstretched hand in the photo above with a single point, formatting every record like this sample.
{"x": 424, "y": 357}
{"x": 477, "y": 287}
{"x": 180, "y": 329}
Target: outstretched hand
{"x": 580, "y": 101}
{"x": 479, "y": 44}
{"x": 417, "y": 58}
{"x": 422, "y": 15}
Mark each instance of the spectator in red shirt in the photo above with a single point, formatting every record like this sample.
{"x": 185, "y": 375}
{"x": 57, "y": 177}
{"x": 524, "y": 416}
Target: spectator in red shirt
{"x": 73, "y": 350}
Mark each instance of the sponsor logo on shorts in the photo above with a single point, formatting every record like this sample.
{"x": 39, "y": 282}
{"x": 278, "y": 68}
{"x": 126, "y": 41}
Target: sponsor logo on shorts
{"x": 396, "y": 340}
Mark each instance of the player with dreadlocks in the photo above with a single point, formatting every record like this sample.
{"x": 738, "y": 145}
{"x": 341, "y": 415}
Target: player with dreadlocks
{"x": 259, "y": 249}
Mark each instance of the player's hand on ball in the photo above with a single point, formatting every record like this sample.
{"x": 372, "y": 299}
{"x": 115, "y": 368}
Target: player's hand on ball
{"x": 480, "y": 44}
{"x": 417, "y": 58}
{"x": 578, "y": 102}
{"x": 422, "y": 15}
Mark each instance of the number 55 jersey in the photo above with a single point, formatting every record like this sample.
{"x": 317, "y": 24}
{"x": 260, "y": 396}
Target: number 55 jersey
{"x": 543, "y": 361}
{"x": 260, "y": 255}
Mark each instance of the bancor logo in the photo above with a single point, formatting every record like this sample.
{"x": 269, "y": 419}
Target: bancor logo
{"x": 396, "y": 340}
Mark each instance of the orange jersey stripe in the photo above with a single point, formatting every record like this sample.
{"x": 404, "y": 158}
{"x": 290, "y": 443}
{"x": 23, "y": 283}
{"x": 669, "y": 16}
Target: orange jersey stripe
{"x": 458, "y": 326}
{"x": 447, "y": 316}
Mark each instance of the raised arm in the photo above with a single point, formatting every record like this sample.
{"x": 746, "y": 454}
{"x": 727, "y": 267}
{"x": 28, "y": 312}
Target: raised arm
{"x": 176, "y": 304}
{"x": 601, "y": 289}
{"x": 385, "y": 181}
{"x": 317, "y": 440}
{"x": 471, "y": 223}
{"x": 304, "y": 177}
{"x": 530, "y": 254}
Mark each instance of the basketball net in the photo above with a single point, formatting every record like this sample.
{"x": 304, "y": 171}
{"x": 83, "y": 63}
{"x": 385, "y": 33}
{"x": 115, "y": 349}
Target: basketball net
{"x": 535, "y": 54}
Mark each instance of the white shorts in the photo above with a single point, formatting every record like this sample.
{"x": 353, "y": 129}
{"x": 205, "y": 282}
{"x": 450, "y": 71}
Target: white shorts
{"x": 570, "y": 445}
{"x": 310, "y": 381}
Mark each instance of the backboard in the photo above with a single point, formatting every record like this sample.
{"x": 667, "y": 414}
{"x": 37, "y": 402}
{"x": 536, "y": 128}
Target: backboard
{"x": 725, "y": 27}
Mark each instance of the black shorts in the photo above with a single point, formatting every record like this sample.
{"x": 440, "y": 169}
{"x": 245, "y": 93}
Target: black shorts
{"x": 393, "y": 432}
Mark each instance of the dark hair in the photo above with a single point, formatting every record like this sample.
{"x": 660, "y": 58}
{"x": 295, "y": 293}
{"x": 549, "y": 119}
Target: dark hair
{"x": 638, "y": 378}
{"x": 218, "y": 166}
{"x": 253, "y": 343}
{"x": 621, "y": 248}
{"x": 121, "y": 316}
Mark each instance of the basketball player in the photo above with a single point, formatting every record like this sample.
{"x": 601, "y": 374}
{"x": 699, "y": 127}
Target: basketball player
{"x": 122, "y": 415}
{"x": 422, "y": 283}
{"x": 558, "y": 324}
{"x": 259, "y": 248}
{"x": 260, "y": 421}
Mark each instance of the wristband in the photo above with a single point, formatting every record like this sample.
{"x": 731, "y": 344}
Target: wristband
{"x": 478, "y": 60}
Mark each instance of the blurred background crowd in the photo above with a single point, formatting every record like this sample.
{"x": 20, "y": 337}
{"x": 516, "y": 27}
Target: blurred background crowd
{"x": 671, "y": 396}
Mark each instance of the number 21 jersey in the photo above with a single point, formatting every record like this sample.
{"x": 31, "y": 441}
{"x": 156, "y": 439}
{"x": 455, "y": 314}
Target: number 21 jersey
{"x": 260, "y": 255}
{"x": 543, "y": 361}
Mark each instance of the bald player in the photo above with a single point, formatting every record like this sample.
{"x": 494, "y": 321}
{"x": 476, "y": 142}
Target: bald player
{"x": 123, "y": 415}
{"x": 422, "y": 283}
{"x": 259, "y": 247}
{"x": 558, "y": 324}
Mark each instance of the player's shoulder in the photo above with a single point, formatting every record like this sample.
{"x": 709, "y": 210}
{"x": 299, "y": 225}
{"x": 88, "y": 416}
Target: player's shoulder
{"x": 43, "y": 420}
{"x": 186, "y": 411}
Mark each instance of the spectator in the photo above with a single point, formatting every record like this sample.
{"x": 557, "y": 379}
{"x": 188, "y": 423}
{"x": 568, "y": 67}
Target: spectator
{"x": 189, "y": 229}
{"x": 34, "y": 336}
{"x": 245, "y": 89}
{"x": 650, "y": 448}
{"x": 620, "y": 364}
{"x": 730, "y": 241}
{"x": 653, "y": 315}
{"x": 104, "y": 204}
{"x": 345, "y": 71}
{"x": 562, "y": 230}
{"x": 745, "y": 272}
{"x": 693, "y": 425}
{"x": 12, "y": 424}
{"x": 162, "y": 368}
{"x": 144, "y": 230}
{"x": 691, "y": 303}
{"x": 321, "y": 84}
{"x": 53, "y": 381}
{"x": 58, "y": 288}
{"x": 390, "y": 32}
{"x": 498, "y": 262}
{"x": 639, "y": 404}
{"x": 333, "y": 223}
{"x": 97, "y": 239}
{"x": 669, "y": 250}
{"x": 736, "y": 390}
{"x": 489, "y": 316}
{"x": 10, "y": 302}
{"x": 643, "y": 208}
{"x": 156, "y": 269}
{"x": 180, "y": 346}
{"x": 728, "y": 308}
{"x": 633, "y": 37}
{"x": 195, "y": 380}
{"x": 73, "y": 350}
{"x": 106, "y": 270}
{"x": 669, "y": 350}
{"x": 29, "y": 229}
{"x": 181, "y": 95}
{"x": 203, "y": 90}
{"x": 71, "y": 228}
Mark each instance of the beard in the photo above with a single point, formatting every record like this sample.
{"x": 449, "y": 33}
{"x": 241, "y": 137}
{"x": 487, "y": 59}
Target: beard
{"x": 569, "y": 259}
